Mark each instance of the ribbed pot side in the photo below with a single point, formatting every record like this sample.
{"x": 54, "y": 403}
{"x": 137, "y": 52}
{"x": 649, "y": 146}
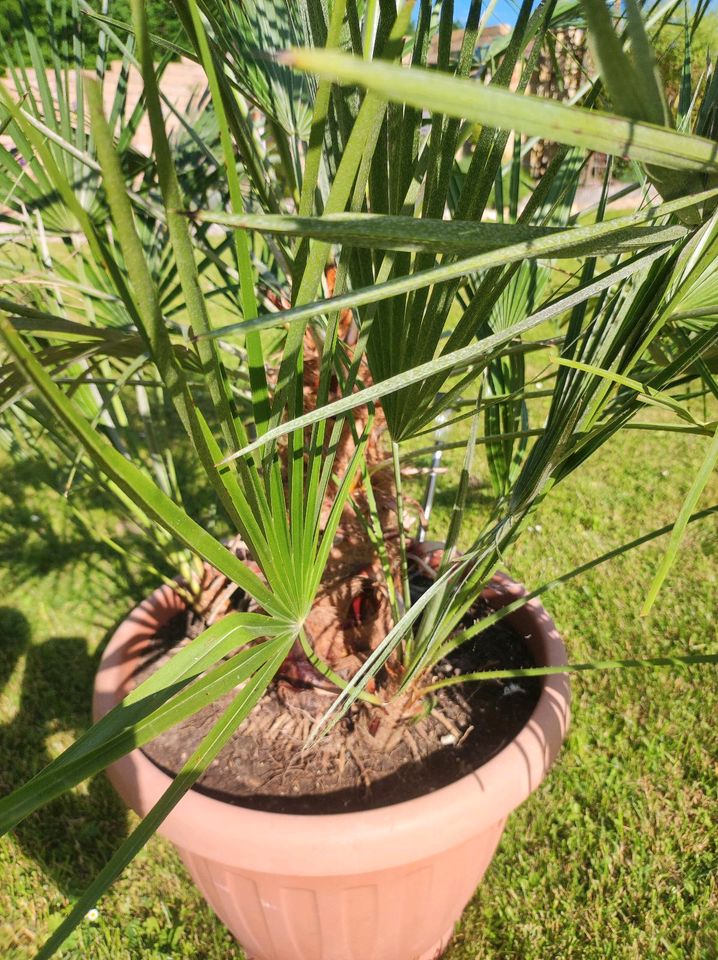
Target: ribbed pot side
{"x": 384, "y": 884}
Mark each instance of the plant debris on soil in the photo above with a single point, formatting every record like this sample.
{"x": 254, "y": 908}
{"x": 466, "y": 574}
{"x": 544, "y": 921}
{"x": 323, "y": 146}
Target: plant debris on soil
{"x": 374, "y": 756}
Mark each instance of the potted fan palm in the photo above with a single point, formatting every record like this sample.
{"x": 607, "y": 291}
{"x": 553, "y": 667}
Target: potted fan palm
{"x": 358, "y": 708}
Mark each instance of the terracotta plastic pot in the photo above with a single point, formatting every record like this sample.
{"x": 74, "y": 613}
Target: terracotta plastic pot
{"x": 385, "y": 884}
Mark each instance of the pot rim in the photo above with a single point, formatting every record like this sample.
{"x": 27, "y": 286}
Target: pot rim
{"x": 358, "y": 841}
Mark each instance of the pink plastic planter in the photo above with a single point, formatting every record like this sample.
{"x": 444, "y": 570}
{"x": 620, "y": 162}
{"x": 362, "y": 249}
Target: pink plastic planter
{"x": 385, "y": 884}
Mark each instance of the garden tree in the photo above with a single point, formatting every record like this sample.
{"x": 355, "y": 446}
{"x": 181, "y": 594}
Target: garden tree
{"x": 15, "y": 15}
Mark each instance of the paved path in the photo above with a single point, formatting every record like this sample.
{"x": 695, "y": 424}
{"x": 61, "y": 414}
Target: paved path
{"x": 181, "y": 80}
{"x": 589, "y": 195}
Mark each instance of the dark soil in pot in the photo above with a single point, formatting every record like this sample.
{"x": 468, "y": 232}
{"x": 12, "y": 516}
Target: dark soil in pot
{"x": 375, "y": 756}
{"x": 368, "y": 759}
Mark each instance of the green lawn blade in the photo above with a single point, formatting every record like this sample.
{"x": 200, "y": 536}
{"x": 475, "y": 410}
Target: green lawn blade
{"x": 532, "y": 115}
{"x": 388, "y": 232}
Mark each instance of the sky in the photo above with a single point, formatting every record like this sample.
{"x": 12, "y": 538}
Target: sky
{"x": 504, "y": 12}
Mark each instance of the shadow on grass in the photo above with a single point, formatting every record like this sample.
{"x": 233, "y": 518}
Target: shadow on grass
{"x": 73, "y": 836}
{"x": 480, "y": 497}
{"x": 40, "y": 537}
{"x": 37, "y": 537}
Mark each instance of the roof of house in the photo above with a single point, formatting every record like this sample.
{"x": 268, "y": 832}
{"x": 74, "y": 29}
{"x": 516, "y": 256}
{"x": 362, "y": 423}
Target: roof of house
{"x": 485, "y": 38}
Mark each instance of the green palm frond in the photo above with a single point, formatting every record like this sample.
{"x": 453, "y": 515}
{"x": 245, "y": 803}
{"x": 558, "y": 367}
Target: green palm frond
{"x": 243, "y": 334}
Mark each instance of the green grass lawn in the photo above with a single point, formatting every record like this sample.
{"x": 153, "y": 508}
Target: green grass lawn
{"x": 616, "y": 856}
